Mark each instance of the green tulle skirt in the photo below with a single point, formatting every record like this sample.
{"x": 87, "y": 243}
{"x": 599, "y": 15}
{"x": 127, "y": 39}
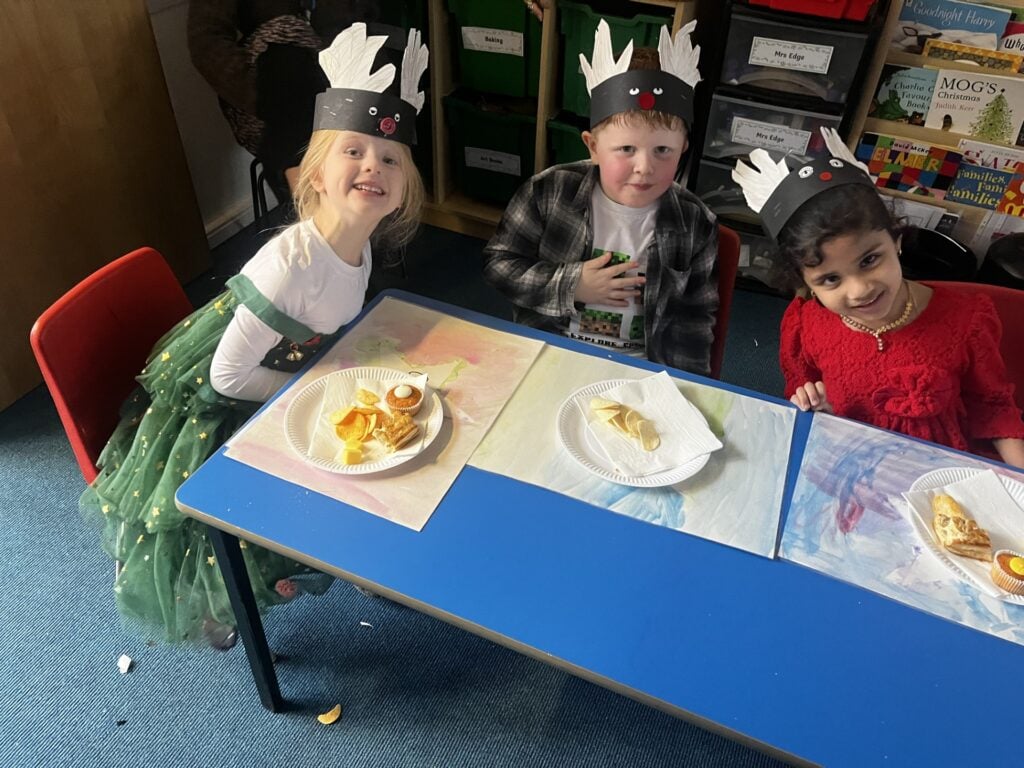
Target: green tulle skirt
{"x": 169, "y": 582}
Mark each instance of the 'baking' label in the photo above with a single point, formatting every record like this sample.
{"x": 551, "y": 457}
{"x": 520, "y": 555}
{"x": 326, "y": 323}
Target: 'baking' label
{"x": 754, "y": 133}
{"x": 492, "y": 40}
{"x": 785, "y": 54}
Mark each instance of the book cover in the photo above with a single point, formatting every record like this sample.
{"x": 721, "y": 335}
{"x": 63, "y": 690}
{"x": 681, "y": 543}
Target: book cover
{"x": 1012, "y": 40}
{"x": 904, "y": 94}
{"x": 945, "y": 51}
{"x": 956, "y": 22}
{"x": 1013, "y": 198}
{"x": 909, "y": 166}
{"x": 990, "y": 155}
{"x": 988, "y": 107}
{"x": 979, "y": 186}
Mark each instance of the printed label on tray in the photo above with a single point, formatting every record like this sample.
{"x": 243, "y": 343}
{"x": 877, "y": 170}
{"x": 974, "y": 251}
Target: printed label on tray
{"x": 785, "y": 54}
{"x": 492, "y": 40}
{"x": 769, "y": 136}
{"x": 492, "y": 160}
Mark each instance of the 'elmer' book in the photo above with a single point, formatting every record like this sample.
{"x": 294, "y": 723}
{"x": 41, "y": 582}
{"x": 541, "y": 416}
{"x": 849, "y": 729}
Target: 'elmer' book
{"x": 988, "y": 107}
{"x": 904, "y": 94}
{"x": 922, "y": 20}
{"x": 907, "y": 165}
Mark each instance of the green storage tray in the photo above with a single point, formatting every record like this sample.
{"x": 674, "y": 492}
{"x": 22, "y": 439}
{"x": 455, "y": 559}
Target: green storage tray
{"x": 504, "y": 46}
{"x": 565, "y": 143}
{"x": 578, "y": 24}
{"x": 492, "y": 149}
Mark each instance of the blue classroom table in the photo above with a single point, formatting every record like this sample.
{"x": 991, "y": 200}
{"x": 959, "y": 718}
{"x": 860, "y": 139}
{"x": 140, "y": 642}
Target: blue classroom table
{"x": 769, "y": 653}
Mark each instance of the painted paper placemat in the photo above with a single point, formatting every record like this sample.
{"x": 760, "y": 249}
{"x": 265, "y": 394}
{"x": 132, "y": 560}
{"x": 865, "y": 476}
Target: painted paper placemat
{"x": 474, "y": 369}
{"x": 735, "y": 499}
{"x": 848, "y": 519}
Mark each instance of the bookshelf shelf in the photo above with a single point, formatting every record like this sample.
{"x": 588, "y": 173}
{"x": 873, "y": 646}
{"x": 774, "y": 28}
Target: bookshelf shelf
{"x": 920, "y": 133}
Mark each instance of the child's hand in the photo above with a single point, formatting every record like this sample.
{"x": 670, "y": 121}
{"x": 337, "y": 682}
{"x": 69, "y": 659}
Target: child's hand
{"x": 603, "y": 284}
{"x": 811, "y": 397}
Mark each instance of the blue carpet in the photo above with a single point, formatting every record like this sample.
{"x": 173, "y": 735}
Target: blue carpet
{"x": 416, "y": 691}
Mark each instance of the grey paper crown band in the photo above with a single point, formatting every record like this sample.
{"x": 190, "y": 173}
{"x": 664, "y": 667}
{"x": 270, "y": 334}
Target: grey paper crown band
{"x": 642, "y": 90}
{"x": 375, "y": 114}
{"x": 805, "y": 183}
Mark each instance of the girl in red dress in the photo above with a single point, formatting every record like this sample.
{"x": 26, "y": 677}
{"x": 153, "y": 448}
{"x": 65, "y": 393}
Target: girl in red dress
{"x": 868, "y": 344}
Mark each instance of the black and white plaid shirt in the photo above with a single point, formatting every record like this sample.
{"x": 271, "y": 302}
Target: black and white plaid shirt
{"x": 536, "y": 257}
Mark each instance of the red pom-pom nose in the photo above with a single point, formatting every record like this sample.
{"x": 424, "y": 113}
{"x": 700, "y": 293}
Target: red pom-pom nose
{"x": 645, "y": 100}
{"x": 388, "y": 126}
{"x": 825, "y": 176}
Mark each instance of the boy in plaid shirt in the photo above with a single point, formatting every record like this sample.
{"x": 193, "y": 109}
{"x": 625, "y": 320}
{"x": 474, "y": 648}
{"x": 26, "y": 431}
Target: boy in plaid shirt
{"x": 612, "y": 250}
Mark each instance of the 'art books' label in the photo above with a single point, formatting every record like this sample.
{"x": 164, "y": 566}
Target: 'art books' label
{"x": 769, "y": 136}
{"x": 785, "y": 54}
{"x": 491, "y": 160}
{"x": 492, "y": 40}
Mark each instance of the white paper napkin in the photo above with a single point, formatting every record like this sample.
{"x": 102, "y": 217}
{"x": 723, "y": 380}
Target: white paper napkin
{"x": 984, "y": 498}
{"x": 339, "y": 393}
{"x": 682, "y": 428}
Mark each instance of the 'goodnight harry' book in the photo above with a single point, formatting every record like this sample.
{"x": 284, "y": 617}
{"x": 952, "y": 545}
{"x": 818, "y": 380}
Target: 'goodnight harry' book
{"x": 954, "y": 22}
{"x": 988, "y": 107}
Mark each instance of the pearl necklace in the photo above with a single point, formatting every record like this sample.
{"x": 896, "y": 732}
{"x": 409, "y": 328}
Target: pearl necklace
{"x": 877, "y": 333}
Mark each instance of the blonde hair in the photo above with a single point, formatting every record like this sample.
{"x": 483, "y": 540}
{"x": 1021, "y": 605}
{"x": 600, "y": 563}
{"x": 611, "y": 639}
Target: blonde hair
{"x": 395, "y": 229}
{"x": 644, "y": 59}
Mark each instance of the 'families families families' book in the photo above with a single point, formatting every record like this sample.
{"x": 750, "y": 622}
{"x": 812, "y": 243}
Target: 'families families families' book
{"x": 988, "y": 107}
{"x": 983, "y": 57}
{"x": 980, "y": 26}
{"x": 979, "y": 186}
{"x": 904, "y": 94}
{"x": 908, "y": 165}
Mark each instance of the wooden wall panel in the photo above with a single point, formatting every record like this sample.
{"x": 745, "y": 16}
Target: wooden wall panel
{"x": 91, "y": 164}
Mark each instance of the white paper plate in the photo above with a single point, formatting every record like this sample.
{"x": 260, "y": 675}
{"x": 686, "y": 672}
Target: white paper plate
{"x": 939, "y": 478}
{"x": 578, "y": 440}
{"x": 305, "y": 409}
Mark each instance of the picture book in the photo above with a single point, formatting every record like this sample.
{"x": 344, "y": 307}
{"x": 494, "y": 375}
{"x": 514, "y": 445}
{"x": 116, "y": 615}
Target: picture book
{"x": 1013, "y": 198}
{"x": 909, "y": 166}
{"x": 980, "y": 26}
{"x": 1013, "y": 39}
{"x": 994, "y": 226}
{"x": 945, "y": 51}
{"x": 990, "y": 155}
{"x": 904, "y": 94}
{"x": 979, "y": 186}
{"x": 988, "y": 107}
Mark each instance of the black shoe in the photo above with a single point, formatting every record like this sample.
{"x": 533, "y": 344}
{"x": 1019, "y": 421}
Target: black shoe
{"x": 222, "y": 637}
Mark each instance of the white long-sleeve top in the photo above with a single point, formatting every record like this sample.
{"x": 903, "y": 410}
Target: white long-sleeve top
{"x": 305, "y": 279}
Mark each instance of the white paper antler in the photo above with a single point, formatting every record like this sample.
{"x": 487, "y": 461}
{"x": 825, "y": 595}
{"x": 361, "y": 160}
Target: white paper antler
{"x": 603, "y": 63}
{"x": 414, "y": 64}
{"x": 838, "y": 148}
{"x": 758, "y": 185}
{"x": 678, "y": 57}
{"x": 348, "y": 60}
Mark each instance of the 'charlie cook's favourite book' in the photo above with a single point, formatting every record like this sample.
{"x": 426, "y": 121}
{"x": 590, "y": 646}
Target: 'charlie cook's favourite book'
{"x": 988, "y": 107}
{"x": 904, "y": 94}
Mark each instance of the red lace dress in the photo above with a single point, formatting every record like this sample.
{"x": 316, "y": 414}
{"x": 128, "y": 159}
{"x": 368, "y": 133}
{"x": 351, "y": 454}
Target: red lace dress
{"x": 940, "y": 378}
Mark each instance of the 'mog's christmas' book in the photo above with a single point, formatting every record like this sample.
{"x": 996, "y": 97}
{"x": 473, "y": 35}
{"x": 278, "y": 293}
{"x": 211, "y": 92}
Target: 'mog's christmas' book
{"x": 988, "y": 107}
{"x": 910, "y": 166}
{"x": 904, "y": 94}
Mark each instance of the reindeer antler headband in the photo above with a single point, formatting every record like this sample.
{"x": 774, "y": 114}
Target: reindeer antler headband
{"x": 777, "y": 193}
{"x": 356, "y": 100}
{"x": 615, "y": 88}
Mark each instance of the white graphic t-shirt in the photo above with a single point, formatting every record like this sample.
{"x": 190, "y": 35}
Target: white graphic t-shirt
{"x": 627, "y": 233}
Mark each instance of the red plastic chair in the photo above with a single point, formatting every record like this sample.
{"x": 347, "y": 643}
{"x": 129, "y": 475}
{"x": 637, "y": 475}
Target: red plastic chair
{"x": 94, "y": 340}
{"x": 1010, "y": 308}
{"x": 728, "y": 265}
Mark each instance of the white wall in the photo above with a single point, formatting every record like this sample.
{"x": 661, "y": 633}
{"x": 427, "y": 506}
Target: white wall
{"x": 219, "y": 167}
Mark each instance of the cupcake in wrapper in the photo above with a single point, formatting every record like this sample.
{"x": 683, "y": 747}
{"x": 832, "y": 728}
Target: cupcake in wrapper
{"x": 404, "y": 398}
{"x": 1008, "y": 571}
